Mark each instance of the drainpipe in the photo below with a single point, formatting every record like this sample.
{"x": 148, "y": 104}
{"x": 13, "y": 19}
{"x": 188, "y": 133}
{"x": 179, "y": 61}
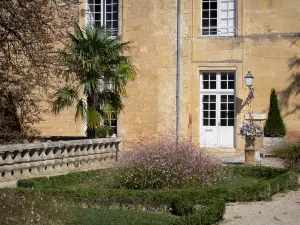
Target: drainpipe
{"x": 178, "y": 75}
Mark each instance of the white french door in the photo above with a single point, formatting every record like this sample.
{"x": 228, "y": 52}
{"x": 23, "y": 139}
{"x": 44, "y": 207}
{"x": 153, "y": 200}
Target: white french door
{"x": 217, "y": 109}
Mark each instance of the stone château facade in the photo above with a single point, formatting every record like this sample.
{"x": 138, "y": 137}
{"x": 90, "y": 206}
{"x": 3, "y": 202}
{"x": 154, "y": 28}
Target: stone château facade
{"x": 221, "y": 40}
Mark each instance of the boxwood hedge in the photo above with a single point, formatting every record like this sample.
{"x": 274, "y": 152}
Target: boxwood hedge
{"x": 194, "y": 206}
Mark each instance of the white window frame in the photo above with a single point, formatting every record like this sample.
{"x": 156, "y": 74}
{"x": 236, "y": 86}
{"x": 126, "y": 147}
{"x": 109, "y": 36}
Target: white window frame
{"x": 226, "y": 31}
{"x": 90, "y": 16}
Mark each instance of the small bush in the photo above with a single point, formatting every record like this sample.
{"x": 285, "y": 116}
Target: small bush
{"x": 290, "y": 155}
{"x": 274, "y": 126}
{"x": 104, "y": 131}
{"x": 163, "y": 164}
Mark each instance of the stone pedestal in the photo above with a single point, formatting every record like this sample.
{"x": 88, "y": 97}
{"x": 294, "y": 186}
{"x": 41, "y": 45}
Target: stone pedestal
{"x": 250, "y": 156}
{"x": 250, "y": 151}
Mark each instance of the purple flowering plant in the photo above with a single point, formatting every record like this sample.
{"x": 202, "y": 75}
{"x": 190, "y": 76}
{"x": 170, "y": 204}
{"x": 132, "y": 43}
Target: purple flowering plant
{"x": 251, "y": 130}
{"x": 164, "y": 164}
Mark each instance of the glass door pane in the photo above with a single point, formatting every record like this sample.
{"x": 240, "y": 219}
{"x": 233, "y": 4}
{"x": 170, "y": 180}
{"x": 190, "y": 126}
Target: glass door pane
{"x": 209, "y": 106}
{"x": 227, "y": 110}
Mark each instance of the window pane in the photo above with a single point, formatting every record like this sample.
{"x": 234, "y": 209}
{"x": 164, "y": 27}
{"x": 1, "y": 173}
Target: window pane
{"x": 213, "y": 22}
{"x": 212, "y": 106}
{"x": 213, "y": 14}
{"x": 205, "y": 22}
{"x": 213, "y": 5}
{"x": 223, "y": 106}
{"x": 108, "y": 16}
{"x": 205, "y": 5}
{"x": 97, "y": 8}
{"x": 205, "y": 98}
{"x": 212, "y": 114}
{"x": 223, "y": 114}
{"x": 212, "y": 122}
{"x": 213, "y": 31}
{"x": 205, "y": 114}
{"x": 205, "y": 31}
{"x": 223, "y": 76}
{"x": 230, "y": 76}
{"x": 108, "y": 8}
{"x": 98, "y": 16}
{"x": 205, "y": 76}
{"x": 115, "y": 7}
{"x": 206, "y": 84}
{"x": 231, "y": 106}
{"x": 230, "y": 98}
{"x": 205, "y": 106}
{"x": 212, "y": 98}
{"x": 224, "y": 122}
{"x": 230, "y": 114}
{"x": 205, "y": 122}
{"x": 213, "y": 76}
{"x": 231, "y": 122}
{"x": 114, "y": 123}
{"x": 223, "y": 98}
{"x": 108, "y": 24}
{"x": 223, "y": 84}
{"x": 115, "y": 25}
{"x": 213, "y": 85}
{"x": 115, "y": 16}
{"x": 205, "y": 14}
{"x": 230, "y": 84}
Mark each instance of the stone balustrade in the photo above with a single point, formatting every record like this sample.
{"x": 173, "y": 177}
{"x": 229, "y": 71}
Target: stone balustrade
{"x": 21, "y": 161}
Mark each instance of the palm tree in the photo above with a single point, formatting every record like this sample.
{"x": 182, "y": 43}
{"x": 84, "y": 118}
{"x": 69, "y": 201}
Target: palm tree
{"x": 91, "y": 60}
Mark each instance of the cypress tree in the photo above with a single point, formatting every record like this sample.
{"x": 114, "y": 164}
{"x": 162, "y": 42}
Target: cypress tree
{"x": 274, "y": 126}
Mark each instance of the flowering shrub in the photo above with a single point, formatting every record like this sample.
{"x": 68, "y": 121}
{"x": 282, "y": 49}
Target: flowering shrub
{"x": 162, "y": 164}
{"x": 251, "y": 130}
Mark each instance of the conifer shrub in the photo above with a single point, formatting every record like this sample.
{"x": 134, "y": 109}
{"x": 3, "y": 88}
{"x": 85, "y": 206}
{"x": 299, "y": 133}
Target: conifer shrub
{"x": 274, "y": 126}
{"x": 163, "y": 164}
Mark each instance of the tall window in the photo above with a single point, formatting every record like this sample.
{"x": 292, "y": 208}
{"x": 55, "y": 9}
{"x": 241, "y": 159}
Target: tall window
{"x": 104, "y": 13}
{"x": 112, "y": 119}
{"x": 218, "y": 18}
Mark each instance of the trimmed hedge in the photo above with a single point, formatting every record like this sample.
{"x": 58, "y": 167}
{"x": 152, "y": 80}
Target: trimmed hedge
{"x": 258, "y": 172}
{"x": 195, "y": 207}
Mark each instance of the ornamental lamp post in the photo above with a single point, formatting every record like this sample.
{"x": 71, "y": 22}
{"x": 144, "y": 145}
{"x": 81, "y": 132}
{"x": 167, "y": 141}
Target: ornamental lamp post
{"x": 250, "y": 149}
{"x": 249, "y": 82}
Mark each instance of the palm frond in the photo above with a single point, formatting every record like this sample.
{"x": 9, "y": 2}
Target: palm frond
{"x": 64, "y": 98}
{"x": 81, "y": 110}
{"x": 93, "y": 119}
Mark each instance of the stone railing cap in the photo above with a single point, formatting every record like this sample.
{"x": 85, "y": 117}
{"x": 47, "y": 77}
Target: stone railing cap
{"x": 40, "y": 145}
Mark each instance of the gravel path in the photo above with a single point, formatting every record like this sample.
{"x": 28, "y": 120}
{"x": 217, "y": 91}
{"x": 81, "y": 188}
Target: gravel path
{"x": 284, "y": 209}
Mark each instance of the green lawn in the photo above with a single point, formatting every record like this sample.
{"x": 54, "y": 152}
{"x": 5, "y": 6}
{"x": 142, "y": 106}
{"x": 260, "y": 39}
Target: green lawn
{"x": 91, "y": 198}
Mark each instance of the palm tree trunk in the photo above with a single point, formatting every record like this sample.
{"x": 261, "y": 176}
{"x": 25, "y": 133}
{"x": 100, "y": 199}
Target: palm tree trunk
{"x": 91, "y": 132}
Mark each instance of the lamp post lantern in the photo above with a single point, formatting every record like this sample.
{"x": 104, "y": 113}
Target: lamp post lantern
{"x": 249, "y": 82}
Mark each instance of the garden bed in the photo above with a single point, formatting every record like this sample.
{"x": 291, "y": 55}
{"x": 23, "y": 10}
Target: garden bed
{"x": 92, "y": 198}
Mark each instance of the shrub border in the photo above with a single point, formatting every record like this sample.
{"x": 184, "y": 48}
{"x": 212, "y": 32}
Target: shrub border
{"x": 197, "y": 207}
